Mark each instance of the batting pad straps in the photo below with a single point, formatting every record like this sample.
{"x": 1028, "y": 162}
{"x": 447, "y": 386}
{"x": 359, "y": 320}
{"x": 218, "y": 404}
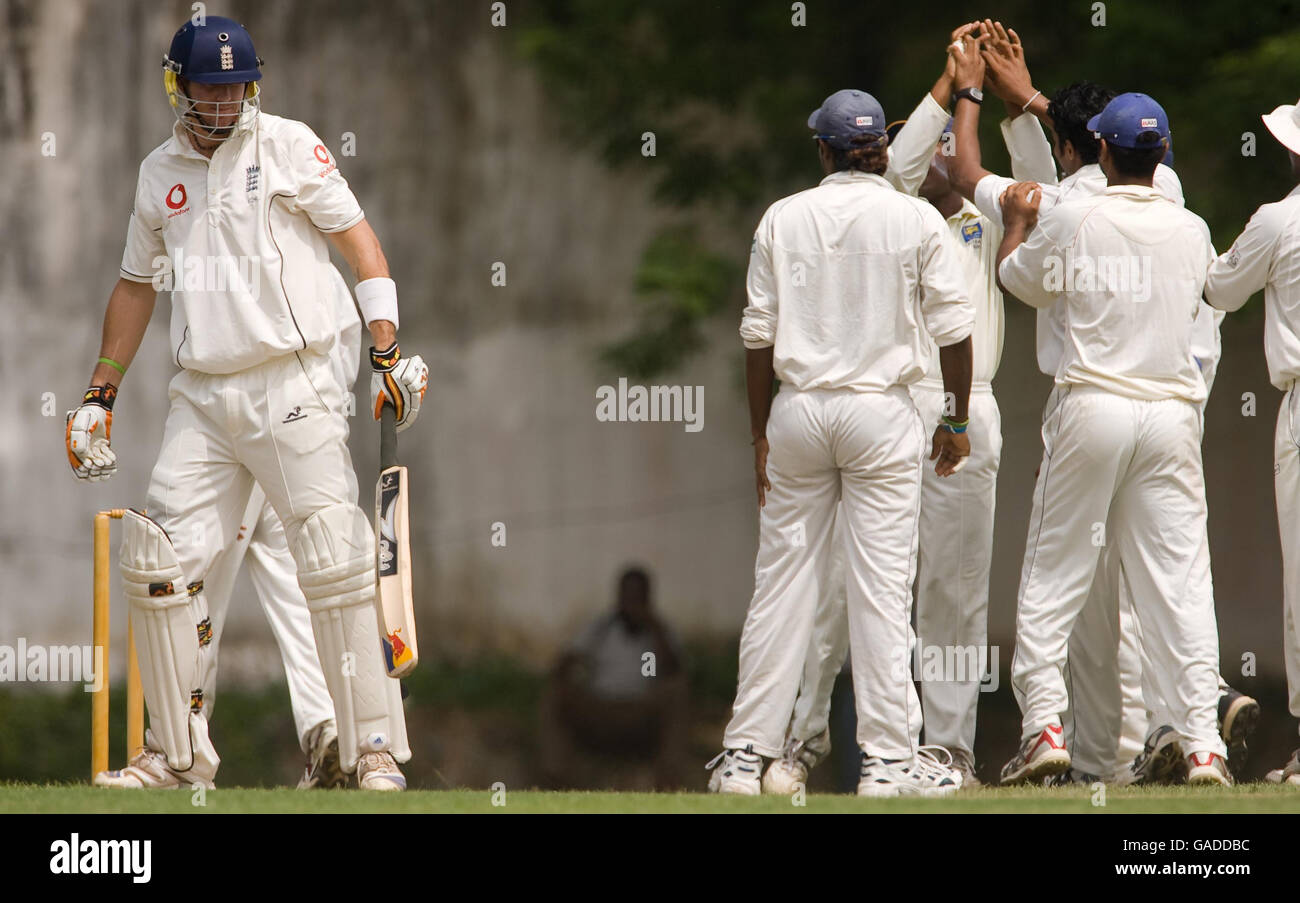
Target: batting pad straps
{"x": 378, "y": 300}
{"x": 165, "y": 634}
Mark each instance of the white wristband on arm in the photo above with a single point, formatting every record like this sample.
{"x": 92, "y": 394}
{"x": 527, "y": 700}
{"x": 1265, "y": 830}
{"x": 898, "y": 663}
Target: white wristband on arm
{"x": 377, "y": 298}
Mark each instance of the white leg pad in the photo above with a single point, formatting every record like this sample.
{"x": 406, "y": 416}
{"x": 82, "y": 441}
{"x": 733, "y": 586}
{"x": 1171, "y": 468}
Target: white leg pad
{"x": 166, "y": 635}
{"x": 335, "y": 552}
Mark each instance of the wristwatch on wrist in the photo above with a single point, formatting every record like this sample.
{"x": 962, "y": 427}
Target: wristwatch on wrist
{"x": 974, "y": 94}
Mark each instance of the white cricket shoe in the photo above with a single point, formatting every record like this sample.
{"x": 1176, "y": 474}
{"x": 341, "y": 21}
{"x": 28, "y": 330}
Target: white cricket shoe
{"x": 323, "y": 768}
{"x": 1208, "y": 768}
{"x": 1288, "y": 773}
{"x": 736, "y": 771}
{"x": 798, "y": 758}
{"x": 376, "y": 768}
{"x": 930, "y": 773}
{"x": 379, "y": 771}
{"x": 148, "y": 769}
{"x": 1039, "y": 757}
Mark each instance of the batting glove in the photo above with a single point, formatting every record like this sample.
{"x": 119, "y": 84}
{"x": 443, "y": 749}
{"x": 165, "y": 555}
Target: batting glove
{"x": 398, "y": 381}
{"x": 87, "y": 435}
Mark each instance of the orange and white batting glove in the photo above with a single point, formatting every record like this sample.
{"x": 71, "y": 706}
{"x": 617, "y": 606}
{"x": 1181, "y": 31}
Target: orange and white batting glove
{"x": 87, "y": 435}
{"x": 398, "y": 381}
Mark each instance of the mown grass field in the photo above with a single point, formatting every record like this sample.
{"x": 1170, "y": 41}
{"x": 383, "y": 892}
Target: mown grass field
{"x": 74, "y": 798}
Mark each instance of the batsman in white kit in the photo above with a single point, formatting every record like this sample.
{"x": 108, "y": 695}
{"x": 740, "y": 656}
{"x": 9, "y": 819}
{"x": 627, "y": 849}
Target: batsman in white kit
{"x": 1121, "y": 464}
{"x": 1267, "y": 255}
{"x": 262, "y": 546}
{"x": 232, "y": 213}
{"x": 848, "y": 283}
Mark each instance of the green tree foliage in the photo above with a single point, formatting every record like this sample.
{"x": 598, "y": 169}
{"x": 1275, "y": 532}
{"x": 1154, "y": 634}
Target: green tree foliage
{"x": 727, "y": 86}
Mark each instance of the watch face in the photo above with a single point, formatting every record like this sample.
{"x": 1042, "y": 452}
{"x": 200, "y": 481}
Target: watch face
{"x": 977, "y": 93}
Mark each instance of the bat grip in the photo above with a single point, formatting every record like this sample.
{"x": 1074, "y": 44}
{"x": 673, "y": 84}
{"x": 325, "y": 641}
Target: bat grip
{"x": 387, "y": 437}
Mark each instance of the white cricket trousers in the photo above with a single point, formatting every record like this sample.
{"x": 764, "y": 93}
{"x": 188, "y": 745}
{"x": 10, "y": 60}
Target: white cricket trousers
{"x": 1123, "y": 473}
{"x": 261, "y": 544}
{"x": 956, "y": 556}
{"x": 865, "y": 449}
{"x": 1286, "y": 486}
{"x": 955, "y": 559}
{"x": 282, "y": 424}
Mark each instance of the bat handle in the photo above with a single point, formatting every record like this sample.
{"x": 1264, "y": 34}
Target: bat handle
{"x": 387, "y": 437}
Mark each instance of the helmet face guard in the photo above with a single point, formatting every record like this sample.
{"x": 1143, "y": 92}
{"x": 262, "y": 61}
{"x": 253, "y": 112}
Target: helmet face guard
{"x": 217, "y": 52}
{"x": 201, "y": 118}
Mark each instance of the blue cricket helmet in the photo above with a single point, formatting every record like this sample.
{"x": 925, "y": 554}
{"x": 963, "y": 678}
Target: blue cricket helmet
{"x": 218, "y": 52}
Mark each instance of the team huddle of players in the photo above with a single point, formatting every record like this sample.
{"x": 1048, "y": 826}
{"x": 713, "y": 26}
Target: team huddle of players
{"x": 881, "y": 313}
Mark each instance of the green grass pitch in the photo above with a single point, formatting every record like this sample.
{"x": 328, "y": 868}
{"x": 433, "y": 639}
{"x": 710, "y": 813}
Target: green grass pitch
{"x": 74, "y": 798}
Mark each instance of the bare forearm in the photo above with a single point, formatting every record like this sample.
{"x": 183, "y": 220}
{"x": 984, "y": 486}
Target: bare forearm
{"x": 365, "y": 256}
{"x": 130, "y": 307}
{"x": 964, "y": 168}
{"x": 760, "y": 376}
{"x": 942, "y": 90}
{"x": 1014, "y": 235}
{"x": 956, "y": 363}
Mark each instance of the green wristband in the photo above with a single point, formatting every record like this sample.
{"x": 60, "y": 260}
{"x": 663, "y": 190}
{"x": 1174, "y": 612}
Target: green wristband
{"x": 114, "y": 364}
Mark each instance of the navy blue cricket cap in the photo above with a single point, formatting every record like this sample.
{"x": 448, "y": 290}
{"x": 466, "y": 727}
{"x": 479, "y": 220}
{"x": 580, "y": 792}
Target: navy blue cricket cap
{"x": 845, "y": 115}
{"x": 1133, "y": 121}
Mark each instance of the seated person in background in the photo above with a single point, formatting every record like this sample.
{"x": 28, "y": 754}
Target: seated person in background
{"x": 619, "y": 690}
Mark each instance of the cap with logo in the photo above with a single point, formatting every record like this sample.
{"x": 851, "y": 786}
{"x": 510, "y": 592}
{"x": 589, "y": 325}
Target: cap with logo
{"x": 845, "y": 115}
{"x": 1132, "y": 121}
{"x": 1284, "y": 123}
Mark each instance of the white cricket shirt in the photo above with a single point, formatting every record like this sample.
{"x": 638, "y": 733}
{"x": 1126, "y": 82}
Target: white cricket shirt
{"x": 241, "y": 237}
{"x": 978, "y": 238}
{"x": 1126, "y": 268}
{"x": 1086, "y": 181}
{"x": 849, "y": 281}
{"x": 1267, "y": 255}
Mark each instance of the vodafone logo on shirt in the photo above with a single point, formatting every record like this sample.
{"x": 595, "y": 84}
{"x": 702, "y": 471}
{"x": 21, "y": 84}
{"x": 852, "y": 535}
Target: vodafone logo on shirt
{"x": 176, "y": 200}
{"x": 323, "y": 156}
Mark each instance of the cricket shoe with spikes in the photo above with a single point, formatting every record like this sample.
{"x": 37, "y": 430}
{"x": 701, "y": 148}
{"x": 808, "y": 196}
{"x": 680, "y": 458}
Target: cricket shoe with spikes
{"x": 376, "y": 767}
{"x": 1160, "y": 762}
{"x": 1039, "y": 757}
{"x": 736, "y": 771}
{"x": 148, "y": 769}
{"x": 797, "y": 759}
{"x": 1288, "y": 773}
{"x": 1238, "y": 715}
{"x": 323, "y": 769}
{"x": 1208, "y": 768}
{"x": 929, "y": 773}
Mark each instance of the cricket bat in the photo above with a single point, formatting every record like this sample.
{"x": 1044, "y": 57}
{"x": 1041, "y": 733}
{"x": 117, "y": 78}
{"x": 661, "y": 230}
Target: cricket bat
{"x": 393, "y": 597}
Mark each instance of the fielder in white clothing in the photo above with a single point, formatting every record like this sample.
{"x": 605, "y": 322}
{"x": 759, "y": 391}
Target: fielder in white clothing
{"x": 1267, "y": 255}
{"x": 955, "y": 539}
{"x": 1107, "y": 724}
{"x": 231, "y": 214}
{"x": 1121, "y": 462}
{"x": 847, "y": 283}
